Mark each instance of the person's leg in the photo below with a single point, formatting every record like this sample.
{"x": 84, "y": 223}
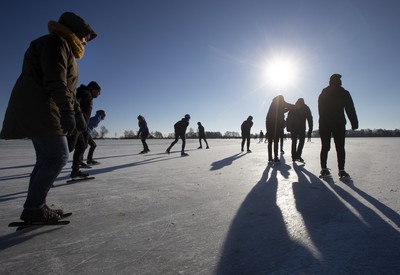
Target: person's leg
{"x": 146, "y": 147}
{"x": 293, "y": 136}
{"x": 302, "y": 138}
{"x": 173, "y": 143}
{"x": 183, "y": 143}
{"x": 276, "y": 145}
{"x": 325, "y": 135}
{"x": 201, "y": 146}
{"x": 270, "y": 141}
{"x": 79, "y": 149}
{"x": 248, "y": 142}
{"x": 206, "y": 143}
{"x": 51, "y": 156}
{"x": 92, "y": 147}
{"x": 339, "y": 133}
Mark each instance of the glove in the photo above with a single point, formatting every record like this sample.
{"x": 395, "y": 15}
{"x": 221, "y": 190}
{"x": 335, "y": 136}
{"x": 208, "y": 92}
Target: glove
{"x": 80, "y": 122}
{"x": 67, "y": 120}
{"x": 309, "y": 136}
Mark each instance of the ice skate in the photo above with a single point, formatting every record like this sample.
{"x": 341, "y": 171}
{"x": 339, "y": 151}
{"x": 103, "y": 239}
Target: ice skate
{"x": 78, "y": 174}
{"x": 324, "y": 173}
{"x": 343, "y": 175}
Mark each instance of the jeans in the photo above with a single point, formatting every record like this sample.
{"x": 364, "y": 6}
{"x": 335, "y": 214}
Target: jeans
{"x": 51, "y": 156}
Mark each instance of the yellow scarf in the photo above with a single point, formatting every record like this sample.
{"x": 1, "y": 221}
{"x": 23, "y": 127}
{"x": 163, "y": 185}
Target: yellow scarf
{"x": 75, "y": 43}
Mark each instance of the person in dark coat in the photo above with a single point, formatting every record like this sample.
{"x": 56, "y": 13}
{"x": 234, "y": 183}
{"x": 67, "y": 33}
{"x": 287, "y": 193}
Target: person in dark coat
{"x": 180, "y": 132}
{"x": 78, "y": 141}
{"x": 93, "y": 123}
{"x": 333, "y": 101}
{"x": 143, "y": 133}
{"x": 202, "y": 135}
{"x": 43, "y": 107}
{"x": 296, "y": 125}
{"x": 246, "y": 127}
{"x": 275, "y": 123}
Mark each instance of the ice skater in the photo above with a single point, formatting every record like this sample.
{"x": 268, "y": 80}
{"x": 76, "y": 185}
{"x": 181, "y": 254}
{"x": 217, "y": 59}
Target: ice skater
{"x": 202, "y": 135}
{"x": 333, "y": 101}
{"x": 296, "y": 125}
{"x": 42, "y": 108}
{"x": 143, "y": 133}
{"x": 78, "y": 141}
{"x": 93, "y": 123}
{"x": 275, "y": 123}
{"x": 246, "y": 127}
{"x": 180, "y": 132}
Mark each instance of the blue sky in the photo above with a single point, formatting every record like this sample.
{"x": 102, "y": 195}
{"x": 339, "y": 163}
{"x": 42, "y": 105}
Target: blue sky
{"x": 208, "y": 58}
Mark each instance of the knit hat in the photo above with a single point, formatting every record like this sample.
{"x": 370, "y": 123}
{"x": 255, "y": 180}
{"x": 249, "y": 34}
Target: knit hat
{"x": 77, "y": 25}
{"x": 187, "y": 116}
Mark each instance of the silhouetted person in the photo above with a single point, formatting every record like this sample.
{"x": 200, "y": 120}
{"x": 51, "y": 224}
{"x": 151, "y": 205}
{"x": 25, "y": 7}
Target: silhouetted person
{"x": 93, "y": 123}
{"x": 78, "y": 141}
{"x": 261, "y": 138}
{"x": 275, "y": 123}
{"x": 202, "y": 135}
{"x": 43, "y": 105}
{"x": 333, "y": 101}
{"x": 282, "y": 134}
{"x": 296, "y": 125}
{"x": 246, "y": 127}
{"x": 143, "y": 133}
{"x": 180, "y": 132}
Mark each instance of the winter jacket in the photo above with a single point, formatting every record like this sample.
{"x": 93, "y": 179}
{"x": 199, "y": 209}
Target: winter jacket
{"x": 246, "y": 126}
{"x": 297, "y": 117}
{"x": 93, "y": 123}
{"x": 332, "y": 102}
{"x": 85, "y": 100}
{"x": 275, "y": 120}
{"x": 47, "y": 84}
{"x": 143, "y": 130}
{"x": 181, "y": 126}
{"x": 202, "y": 133}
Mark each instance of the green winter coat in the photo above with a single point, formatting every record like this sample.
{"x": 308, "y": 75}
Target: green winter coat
{"x": 47, "y": 84}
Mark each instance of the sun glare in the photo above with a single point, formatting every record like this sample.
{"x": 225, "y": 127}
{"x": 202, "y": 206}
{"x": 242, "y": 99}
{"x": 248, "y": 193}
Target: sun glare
{"x": 280, "y": 73}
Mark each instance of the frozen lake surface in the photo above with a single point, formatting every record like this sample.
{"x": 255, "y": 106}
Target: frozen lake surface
{"x": 217, "y": 211}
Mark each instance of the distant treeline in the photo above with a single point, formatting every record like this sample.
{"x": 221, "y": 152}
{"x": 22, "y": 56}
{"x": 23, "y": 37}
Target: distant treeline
{"x": 232, "y": 134}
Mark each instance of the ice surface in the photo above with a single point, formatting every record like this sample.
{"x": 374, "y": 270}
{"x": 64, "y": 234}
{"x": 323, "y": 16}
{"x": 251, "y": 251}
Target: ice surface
{"x": 217, "y": 211}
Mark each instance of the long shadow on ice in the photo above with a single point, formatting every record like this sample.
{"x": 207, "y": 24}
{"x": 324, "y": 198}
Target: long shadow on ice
{"x": 94, "y": 172}
{"x": 347, "y": 235}
{"x": 328, "y": 231}
{"x": 257, "y": 241}
{"x": 216, "y": 165}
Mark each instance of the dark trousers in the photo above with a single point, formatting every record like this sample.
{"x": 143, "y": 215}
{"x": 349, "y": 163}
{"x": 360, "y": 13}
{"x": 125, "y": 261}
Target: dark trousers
{"x": 297, "y": 149}
{"x": 338, "y": 132}
{"x": 92, "y": 147}
{"x": 80, "y": 147}
{"x": 177, "y": 136}
{"x": 145, "y": 147}
{"x": 244, "y": 139}
{"x": 273, "y": 136}
{"x": 204, "y": 138}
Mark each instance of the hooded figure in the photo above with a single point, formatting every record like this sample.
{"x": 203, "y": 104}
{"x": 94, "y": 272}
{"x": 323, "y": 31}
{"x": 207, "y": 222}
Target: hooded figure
{"x": 275, "y": 123}
{"x": 296, "y": 125}
{"x": 46, "y": 88}
{"x": 246, "y": 127}
{"x": 43, "y": 105}
{"x": 333, "y": 102}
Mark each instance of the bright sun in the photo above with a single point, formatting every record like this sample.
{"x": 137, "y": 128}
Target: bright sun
{"x": 280, "y": 73}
